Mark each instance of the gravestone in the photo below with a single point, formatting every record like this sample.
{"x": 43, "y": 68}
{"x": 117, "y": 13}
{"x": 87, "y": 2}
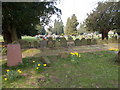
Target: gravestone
{"x": 77, "y": 42}
{"x": 29, "y": 44}
{"x": 83, "y": 41}
{"x": 70, "y": 44}
{"x": 57, "y": 44}
{"x": 93, "y": 41}
{"x": 63, "y": 42}
{"x": 43, "y": 44}
{"x": 14, "y": 55}
{"x": 50, "y": 44}
{"x": 88, "y": 41}
{"x": 36, "y": 44}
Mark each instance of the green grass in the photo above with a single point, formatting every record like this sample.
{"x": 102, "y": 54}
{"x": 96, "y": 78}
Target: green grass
{"x": 26, "y": 38}
{"x": 93, "y": 70}
{"x": 29, "y": 38}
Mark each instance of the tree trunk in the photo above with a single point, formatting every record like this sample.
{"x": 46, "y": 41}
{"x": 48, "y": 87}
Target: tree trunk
{"x": 13, "y": 34}
{"x": 105, "y": 34}
{"x": 9, "y": 34}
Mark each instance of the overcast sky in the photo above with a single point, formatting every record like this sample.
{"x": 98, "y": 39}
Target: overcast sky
{"x": 78, "y": 7}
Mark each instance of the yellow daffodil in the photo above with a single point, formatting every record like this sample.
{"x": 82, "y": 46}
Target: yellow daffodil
{"x": 79, "y": 55}
{"x": 72, "y": 53}
{"x": 76, "y": 54}
{"x": 37, "y": 67}
{"x": 7, "y": 70}
{"x": 20, "y": 71}
{"x": 116, "y": 49}
{"x": 111, "y": 49}
{"x": 38, "y": 64}
{"x": 5, "y": 79}
{"x": 44, "y": 65}
{"x": 33, "y": 61}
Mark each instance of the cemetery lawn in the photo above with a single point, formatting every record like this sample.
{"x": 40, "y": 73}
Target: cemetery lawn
{"x": 93, "y": 70}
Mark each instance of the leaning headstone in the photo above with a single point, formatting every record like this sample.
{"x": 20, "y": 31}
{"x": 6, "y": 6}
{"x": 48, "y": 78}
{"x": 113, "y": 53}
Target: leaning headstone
{"x": 88, "y": 41}
{"x": 14, "y": 55}
{"x": 77, "y": 42}
{"x": 83, "y": 41}
{"x": 63, "y": 42}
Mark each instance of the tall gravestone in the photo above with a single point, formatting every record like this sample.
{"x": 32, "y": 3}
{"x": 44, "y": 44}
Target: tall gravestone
{"x": 14, "y": 55}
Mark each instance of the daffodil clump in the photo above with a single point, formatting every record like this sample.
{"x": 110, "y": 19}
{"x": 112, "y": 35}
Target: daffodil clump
{"x": 39, "y": 67}
{"x": 75, "y": 54}
{"x": 11, "y": 75}
{"x": 114, "y": 49}
{"x": 75, "y": 57}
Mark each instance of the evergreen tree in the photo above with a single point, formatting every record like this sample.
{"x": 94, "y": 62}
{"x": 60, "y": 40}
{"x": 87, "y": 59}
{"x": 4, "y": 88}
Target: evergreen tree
{"x": 58, "y": 27}
{"x": 21, "y": 18}
{"x": 71, "y": 25}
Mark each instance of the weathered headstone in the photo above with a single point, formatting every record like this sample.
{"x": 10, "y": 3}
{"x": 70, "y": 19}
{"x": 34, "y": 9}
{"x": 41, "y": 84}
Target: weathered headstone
{"x": 36, "y": 44}
{"x": 88, "y": 41}
{"x": 63, "y": 42}
{"x": 14, "y": 55}
{"x": 70, "y": 44}
{"x": 83, "y": 41}
{"x": 93, "y": 41}
{"x": 29, "y": 44}
{"x": 77, "y": 42}
{"x": 43, "y": 44}
{"x": 50, "y": 44}
{"x": 57, "y": 44}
